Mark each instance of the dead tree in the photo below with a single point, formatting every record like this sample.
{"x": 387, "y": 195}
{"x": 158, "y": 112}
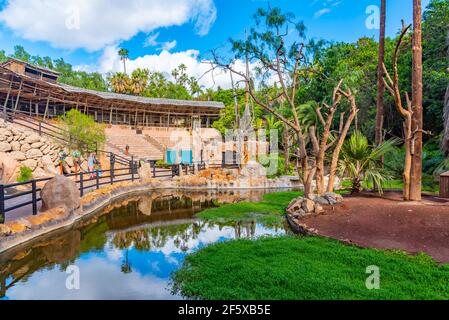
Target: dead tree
{"x": 392, "y": 84}
{"x": 343, "y": 132}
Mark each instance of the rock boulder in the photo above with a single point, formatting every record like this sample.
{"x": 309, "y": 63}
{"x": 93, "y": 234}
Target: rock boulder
{"x": 9, "y": 169}
{"x": 145, "y": 173}
{"x": 60, "y": 192}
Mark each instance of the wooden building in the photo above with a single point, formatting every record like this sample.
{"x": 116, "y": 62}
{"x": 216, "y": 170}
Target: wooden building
{"x": 32, "y": 90}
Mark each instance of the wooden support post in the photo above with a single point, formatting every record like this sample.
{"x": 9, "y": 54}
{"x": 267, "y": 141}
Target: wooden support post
{"x": 110, "y": 116}
{"x": 18, "y": 95}
{"x": 46, "y": 107}
{"x": 7, "y": 99}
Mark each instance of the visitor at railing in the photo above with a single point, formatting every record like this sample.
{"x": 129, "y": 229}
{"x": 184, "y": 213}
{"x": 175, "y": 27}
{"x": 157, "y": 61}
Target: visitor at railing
{"x": 91, "y": 160}
{"x": 62, "y": 157}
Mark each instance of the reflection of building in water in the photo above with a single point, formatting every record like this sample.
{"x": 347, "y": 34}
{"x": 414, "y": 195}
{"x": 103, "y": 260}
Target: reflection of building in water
{"x": 245, "y": 229}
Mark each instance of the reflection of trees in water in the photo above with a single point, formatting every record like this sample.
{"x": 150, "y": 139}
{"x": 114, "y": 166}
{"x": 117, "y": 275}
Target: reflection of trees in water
{"x": 156, "y": 237}
{"x": 245, "y": 229}
{"x": 126, "y": 265}
{"x": 91, "y": 235}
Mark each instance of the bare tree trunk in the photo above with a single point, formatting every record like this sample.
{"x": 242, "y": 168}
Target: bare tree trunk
{"x": 408, "y": 155}
{"x": 380, "y": 77}
{"x": 392, "y": 84}
{"x": 417, "y": 97}
{"x": 341, "y": 140}
{"x": 286, "y": 144}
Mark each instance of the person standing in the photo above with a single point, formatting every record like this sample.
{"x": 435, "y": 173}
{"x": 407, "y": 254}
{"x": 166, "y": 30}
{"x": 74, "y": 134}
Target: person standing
{"x": 91, "y": 164}
{"x": 127, "y": 150}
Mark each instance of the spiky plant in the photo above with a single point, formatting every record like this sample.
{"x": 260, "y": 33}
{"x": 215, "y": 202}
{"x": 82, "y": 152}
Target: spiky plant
{"x": 362, "y": 162}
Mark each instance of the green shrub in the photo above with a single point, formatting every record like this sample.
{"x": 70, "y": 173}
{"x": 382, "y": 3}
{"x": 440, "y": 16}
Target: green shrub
{"x": 82, "y": 132}
{"x": 26, "y": 174}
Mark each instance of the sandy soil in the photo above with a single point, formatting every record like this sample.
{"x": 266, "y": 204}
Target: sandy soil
{"x": 389, "y": 223}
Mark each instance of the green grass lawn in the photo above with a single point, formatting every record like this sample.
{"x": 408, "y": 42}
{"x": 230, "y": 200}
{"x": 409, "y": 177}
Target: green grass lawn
{"x": 269, "y": 210}
{"x": 428, "y": 185}
{"x": 306, "y": 268}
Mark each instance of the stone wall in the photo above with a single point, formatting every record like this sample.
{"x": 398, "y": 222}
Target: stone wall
{"x": 22, "y": 147}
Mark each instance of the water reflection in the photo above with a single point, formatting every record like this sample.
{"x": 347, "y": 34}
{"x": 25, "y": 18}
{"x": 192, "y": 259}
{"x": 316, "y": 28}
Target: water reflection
{"x": 127, "y": 251}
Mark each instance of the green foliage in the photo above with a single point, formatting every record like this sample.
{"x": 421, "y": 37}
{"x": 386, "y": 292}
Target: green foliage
{"x": 363, "y": 163}
{"x": 82, "y": 132}
{"x": 26, "y": 174}
{"x": 311, "y": 268}
{"x": 269, "y": 211}
{"x": 435, "y": 61}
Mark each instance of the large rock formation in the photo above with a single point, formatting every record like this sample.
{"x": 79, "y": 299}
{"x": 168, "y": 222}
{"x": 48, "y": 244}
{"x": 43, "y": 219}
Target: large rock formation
{"x": 60, "y": 192}
{"x": 9, "y": 169}
{"x": 40, "y": 154}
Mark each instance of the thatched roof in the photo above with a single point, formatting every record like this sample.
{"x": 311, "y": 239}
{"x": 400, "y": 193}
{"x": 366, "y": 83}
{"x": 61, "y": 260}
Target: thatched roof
{"x": 144, "y": 100}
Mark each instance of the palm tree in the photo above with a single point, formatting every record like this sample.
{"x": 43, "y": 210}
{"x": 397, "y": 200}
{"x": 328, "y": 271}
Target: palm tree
{"x": 120, "y": 82}
{"x": 139, "y": 81}
{"x": 380, "y": 76}
{"x": 363, "y": 163}
{"x": 417, "y": 100}
{"x": 124, "y": 55}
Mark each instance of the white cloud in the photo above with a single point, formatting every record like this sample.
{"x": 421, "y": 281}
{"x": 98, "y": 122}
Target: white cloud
{"x": 321, "y": 12}
{"x": 165, "y": 62}
{"x": 94, "y": 24}
{"x": 167, "y": 46}
{"x": 151, "y": 40}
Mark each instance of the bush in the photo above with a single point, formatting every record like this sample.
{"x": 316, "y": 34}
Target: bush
{"x": 82, "y": 132}
{"x": 26, "y": 174}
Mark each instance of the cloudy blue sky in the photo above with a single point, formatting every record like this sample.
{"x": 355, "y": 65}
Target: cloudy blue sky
{"x": 161, "y": 34}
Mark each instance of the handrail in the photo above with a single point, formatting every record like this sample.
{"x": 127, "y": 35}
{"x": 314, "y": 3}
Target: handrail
{"x": 85, "y": 181}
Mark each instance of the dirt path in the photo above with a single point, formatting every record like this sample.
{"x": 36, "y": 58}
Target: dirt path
{"x": 389, "y": 223}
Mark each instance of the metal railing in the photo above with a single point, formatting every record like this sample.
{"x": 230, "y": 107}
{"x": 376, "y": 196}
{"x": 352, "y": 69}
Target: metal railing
{"x": 85, "y": 181}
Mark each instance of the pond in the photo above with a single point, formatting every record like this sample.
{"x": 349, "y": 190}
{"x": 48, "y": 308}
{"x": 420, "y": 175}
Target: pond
{"x": 126, "y": 251}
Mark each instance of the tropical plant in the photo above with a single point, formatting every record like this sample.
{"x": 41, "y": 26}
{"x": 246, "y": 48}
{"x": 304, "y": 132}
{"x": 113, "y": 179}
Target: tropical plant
{"x": 120, "y": 82}
{"x": 139, "y": 81}
{"x": 362, "y": 162}
{"x": 124, "y": 55}
{"x": 26, "y": 174}
{"x": 82, "y": 132}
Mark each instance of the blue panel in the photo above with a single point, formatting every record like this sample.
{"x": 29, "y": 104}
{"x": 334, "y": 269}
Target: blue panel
{"x": 186, "y": 156}
{"x": 171, "y": 156}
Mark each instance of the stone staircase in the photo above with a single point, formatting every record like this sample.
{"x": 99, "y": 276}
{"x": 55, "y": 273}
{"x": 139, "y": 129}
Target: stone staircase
{"x": 139, "y": 147}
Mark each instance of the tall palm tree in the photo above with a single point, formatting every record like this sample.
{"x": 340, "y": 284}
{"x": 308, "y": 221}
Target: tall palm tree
{"x": 124, "y": 55}
{"x": 417, "y": 99}
{"x": 380, "y": 75}
{"x": 363, "y": 163}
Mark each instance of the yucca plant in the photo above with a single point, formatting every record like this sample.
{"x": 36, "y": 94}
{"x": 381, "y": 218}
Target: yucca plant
{"x": 362, "y": 162}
